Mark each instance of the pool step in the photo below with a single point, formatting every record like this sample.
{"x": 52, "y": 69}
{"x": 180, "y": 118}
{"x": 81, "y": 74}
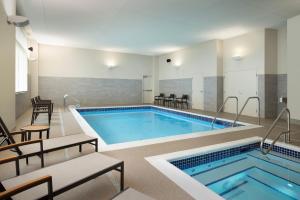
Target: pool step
{"x": 258, "y": 184}
{"x": 215, "y": 171}
{"x": 276, "y": 160}
{"x": 224, "y": 171}
{"x": 275, "y": 182}
{"x": 285, "y": 169}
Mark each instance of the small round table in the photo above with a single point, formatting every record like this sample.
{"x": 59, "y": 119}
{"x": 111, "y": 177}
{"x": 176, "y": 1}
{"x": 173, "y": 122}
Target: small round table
{"x": 36, "y": 128}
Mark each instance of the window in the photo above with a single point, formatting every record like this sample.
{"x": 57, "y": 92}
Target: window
{"x": 21, "y": 62}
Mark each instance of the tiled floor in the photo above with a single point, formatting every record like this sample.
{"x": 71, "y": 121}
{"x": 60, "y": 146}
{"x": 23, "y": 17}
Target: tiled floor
{"x": 139, "y": 174}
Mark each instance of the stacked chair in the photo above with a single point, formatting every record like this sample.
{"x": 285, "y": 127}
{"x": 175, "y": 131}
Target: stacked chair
{"x": 172, "y": 101}
{"x": 40, "y": 106}
{"x": 168, "y": 101}
{"x": 158, "y": 100}
{"x": 182, "y": 101}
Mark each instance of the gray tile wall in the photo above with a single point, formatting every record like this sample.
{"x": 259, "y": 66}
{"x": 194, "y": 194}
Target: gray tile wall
{"x": 261, "y": 93}
{"x": 23, "y": 100}
{"x": 271, "y": 100}
{"x": 91, "y": 91}
{"x": 270, "y": 88}
{"x": 281, "y": 90}
{"x": 213, "y": 92}
{"x": 177, "y": 86}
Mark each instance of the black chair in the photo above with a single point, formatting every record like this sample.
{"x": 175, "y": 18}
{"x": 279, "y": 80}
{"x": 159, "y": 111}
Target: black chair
{"x": 183, "y": 101}
{"x": 40, "y": 107}
{"x": 159, "y": 99}
{"x": 169, "y": 100}
{"x": 45, "y": 101}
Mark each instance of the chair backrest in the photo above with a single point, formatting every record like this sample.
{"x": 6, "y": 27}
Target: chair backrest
{"x": 38, "y": 98}
{"x": 172, "y": 96}
{"x": 185, "y": 96}
{"x": 32, "y": 102}
{"x": 162, "y": 95}
{"x": 6, "y": 132}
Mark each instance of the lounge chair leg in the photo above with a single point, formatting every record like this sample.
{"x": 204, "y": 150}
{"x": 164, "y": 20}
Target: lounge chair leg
{"x": 29, "y": 135}
{"x": 80, "y": 148}
{"x": 42, "y": 154}
{"x": 49, "y": 118}
{"x": 17, "y": 168}
{"x": 122, "y": 177}
{"x": 27, "y": 160}
{"x": 96, "y": 145}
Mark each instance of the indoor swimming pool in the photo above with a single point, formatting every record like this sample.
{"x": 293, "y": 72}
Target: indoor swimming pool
{"x": 118, "y": 125}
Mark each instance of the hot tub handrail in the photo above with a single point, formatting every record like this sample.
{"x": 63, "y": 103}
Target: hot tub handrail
{"x": 222, "y": 106}
{"x": 68, "y": 96}
{"x": 244, "y": 106}
{"x": 269, "y": 131}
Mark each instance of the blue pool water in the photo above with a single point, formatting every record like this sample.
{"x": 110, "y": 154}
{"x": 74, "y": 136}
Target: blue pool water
{"x": 117, "y": 126}
{"x": 251, "y": 176}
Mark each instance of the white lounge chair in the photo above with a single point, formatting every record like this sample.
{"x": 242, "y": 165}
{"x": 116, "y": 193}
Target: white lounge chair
{"x": 60, "y": 177}
{"x": 39, "y": 147}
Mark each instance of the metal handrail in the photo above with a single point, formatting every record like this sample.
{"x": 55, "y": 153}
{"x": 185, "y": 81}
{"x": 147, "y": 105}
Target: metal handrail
{"x": 65, "y": 100}
{"x": 287, "y": 132}
{"x": 219, "y": 110}
{"x": 241, "y": 111}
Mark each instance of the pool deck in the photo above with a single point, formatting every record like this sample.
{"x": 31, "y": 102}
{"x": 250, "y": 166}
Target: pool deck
{"x": 139, "y": 174}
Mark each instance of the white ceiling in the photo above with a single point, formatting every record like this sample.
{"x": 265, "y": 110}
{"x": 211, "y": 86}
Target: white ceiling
{"x": 149, "y": 26}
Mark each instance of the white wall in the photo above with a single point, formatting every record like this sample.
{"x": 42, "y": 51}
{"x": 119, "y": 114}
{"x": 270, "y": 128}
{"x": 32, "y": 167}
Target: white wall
{"x": 155, "y": 70}
{"x": 293, "y": 71}
{"x": 282, "y": 49}
{"x": 59, "y": 61}
{"x": 240, "y": 75}
{"x": 271, "y": 51}
{"x": 7, "y": 69}
{"x": 195, "y": 62}
{"x": 250, "y": 46}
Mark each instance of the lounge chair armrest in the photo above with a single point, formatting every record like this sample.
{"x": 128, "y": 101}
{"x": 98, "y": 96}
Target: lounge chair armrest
{"x": 11, "y": 146}
{"x": 28, "y": 185}
{"x": 11, "y": 159}
{"x": 18, "y": 133}
{"x": 8, "y": 159}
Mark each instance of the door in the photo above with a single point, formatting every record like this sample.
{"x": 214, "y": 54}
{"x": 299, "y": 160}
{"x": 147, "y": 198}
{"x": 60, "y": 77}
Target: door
{"x": 242, "y": 84}
{"x": 147, "y": 89}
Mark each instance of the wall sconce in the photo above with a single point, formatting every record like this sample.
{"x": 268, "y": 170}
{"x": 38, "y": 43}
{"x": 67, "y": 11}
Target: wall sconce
{"x": 111, "y": 64}
{"x": 239, "y": 53}
{"x": 237, "y": 57}
{"x": 177, "y": 64}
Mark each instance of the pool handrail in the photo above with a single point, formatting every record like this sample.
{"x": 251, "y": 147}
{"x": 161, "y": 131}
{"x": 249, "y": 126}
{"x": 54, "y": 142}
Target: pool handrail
{"x": 269, "y": 131}
{"x": 244, "y": 106}
{"x": 69, "y": 96}
{"x": 222, "y": 106}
